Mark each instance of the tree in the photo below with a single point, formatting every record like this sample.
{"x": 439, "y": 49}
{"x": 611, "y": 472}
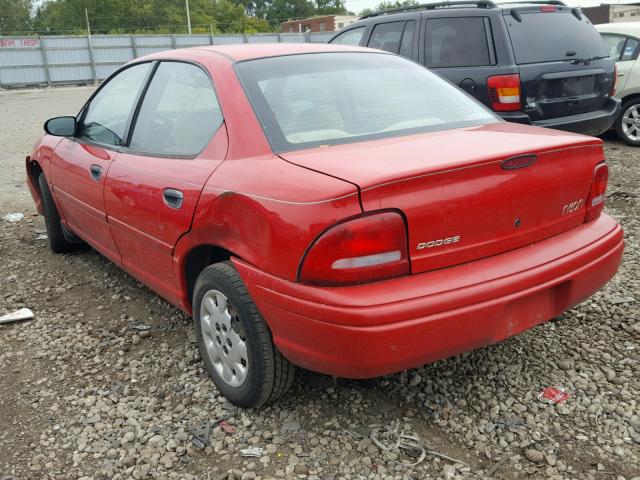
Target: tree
{"x": 331, "y": 7}
{"x": 282, "y": 10}
{"x": 15, "y": 16}
{"x": 161, "y": 16}
{"x": 388, "y": 5}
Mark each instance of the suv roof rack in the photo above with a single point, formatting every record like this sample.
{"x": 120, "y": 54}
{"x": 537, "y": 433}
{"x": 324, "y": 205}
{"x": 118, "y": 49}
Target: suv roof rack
{"x": 462, "y": 3}
{"x": 433, "y": 6}
{"x": 534, "y": 2}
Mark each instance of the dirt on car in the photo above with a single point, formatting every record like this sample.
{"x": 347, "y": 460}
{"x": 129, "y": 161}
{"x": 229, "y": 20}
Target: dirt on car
{"x": 106, "y": 380}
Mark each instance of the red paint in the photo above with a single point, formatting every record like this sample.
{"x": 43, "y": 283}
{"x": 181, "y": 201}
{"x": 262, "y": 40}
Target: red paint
{"x": 491, "y": 252}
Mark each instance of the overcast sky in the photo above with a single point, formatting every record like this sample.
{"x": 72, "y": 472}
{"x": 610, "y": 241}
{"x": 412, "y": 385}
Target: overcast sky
{"x": 358, "y": 5}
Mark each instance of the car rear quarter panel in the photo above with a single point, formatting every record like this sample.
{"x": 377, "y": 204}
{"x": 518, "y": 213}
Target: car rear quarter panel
{"x": 267, "y": 212}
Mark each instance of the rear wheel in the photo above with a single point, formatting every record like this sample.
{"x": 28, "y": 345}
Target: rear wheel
{"x": 234, "y": 341}
{"x": 628, "y": 123}
{"x": 58, "y": 241}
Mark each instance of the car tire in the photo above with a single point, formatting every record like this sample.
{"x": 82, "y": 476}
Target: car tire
{"x": 234, "y": 341}
{"x": 58, "y": 241}
{"x": 629, "y": 109}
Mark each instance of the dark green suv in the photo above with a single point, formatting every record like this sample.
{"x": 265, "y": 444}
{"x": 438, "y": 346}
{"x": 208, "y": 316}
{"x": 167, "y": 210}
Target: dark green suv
{"x": 540, "y": 63}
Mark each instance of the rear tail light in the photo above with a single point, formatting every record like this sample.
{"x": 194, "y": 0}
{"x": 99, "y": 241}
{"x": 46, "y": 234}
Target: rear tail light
{"x": 504, "y": 92}
{"x": 615, "y": 80}
{"x": 548, "y": 8}
{"x": 365, "y": 249}
{"x": 597, "y": 196}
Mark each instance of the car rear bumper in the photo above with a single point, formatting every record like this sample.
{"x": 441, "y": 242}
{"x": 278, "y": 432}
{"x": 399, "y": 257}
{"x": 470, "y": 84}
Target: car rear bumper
{"x": 383, "y": 327}
{"x": 589, "y": 123}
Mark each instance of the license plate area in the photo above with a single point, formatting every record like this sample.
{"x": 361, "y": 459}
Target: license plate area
{"x": 531, "y": 310}
{"x": 560, "y": 88}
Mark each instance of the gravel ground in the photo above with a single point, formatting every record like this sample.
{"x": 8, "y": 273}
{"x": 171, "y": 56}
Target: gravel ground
{"x": 85, "y": 393}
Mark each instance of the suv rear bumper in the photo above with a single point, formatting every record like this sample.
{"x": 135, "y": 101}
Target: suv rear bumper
{"x": 369, "y": 330}
{"x": 589, "y": 123}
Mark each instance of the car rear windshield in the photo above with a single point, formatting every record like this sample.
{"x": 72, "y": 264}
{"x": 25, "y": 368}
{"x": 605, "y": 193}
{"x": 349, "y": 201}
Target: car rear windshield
{"x": 552, "y": 36}
{"x": 317, "y": 99}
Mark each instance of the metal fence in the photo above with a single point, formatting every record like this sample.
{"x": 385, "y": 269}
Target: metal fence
{"x": 49, "y": 60}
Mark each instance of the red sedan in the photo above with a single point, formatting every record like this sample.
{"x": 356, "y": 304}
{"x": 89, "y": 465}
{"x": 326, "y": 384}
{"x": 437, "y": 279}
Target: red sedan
{"x": 336, "y": 208}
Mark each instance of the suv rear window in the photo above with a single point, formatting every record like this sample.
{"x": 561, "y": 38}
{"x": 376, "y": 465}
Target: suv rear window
{"x": 551, "y": 36}
{"x": 456, "y": 42}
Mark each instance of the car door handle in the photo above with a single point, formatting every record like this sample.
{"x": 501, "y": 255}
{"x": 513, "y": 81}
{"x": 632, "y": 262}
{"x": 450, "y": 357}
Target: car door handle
{"x": 172, "y": 198}
{"x": 621, "y": 74}
{"x": 96, "y": 172}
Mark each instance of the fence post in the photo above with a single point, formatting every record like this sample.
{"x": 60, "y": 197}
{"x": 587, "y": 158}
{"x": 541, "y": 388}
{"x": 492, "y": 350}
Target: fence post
{"x": 173, "y": 42}
{"x": 246, "y": 39}
{"x": 91, "y": 58}
{"x": 45, "y": 62}
{"x": 134, "y": 48}
{"x": 279, "y": 38}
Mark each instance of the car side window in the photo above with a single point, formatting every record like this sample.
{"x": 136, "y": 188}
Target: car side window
{"x": 107, "y": 114}
{"x": 456, "y": 42}
{"x": 387, "y": 36}
{"x": 179, "y": 113}
{"x": 629, "y": 51}
{"x": 614, "y": 44}
{"x": 406, "y": 45}
{"x": 350, "y": 37}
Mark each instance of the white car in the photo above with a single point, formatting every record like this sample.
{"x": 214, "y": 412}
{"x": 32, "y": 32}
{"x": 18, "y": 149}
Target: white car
{"x": 623, "y": 42}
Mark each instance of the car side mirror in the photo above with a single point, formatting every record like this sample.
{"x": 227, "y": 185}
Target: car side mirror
{"x": 61, "y": 126}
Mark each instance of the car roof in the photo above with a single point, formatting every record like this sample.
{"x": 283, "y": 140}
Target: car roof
{"x": 240, "y": 52}
{"x": 623, "y": 28}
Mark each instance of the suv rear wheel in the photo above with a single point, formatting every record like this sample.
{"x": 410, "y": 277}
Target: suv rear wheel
{"x": 628, "y": 123}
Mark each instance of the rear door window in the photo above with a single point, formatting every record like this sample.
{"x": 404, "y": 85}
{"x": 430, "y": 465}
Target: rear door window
{"x": 350, "y": 37}
{"x": 629, "y": 52}
{"x": 456, "y": 42}
{"x": 179, "y": 113}
{"x": 387, "y": 36}
{"x": 615, "y": 45}
{"x": 552, "y": 36}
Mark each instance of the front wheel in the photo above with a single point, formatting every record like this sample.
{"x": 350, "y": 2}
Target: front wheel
{"x": 628, "y": 123}
{"x": 234, "y": 341}
{"x": 58, "y": 241}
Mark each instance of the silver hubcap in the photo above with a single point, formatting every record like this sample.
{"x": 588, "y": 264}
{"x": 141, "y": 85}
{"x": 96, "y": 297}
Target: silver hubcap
{"x": 224, "y": 338}
{"x": 631, "y": 123}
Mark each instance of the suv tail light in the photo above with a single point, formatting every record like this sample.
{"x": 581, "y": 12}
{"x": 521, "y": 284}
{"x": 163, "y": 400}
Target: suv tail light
{"x": 504, "y": 92}
{"x": 597, "y": 196}
{"x": 365, "y": 249}
{"x": 615, "y": 80}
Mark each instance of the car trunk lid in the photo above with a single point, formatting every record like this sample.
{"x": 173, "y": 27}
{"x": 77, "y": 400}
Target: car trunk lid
{"x": 568, "y": 71}
{"x": 465, "y": 203}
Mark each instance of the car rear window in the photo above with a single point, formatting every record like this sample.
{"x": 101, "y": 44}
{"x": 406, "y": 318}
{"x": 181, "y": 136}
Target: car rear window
{"x": 551, "y": 36}
{"x": 310, "y": 100}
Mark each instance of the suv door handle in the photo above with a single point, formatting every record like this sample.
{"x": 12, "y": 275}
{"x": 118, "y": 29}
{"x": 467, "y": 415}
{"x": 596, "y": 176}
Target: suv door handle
{"x": 620, "y": 74}
{"x": 96, "y": 172}
{"x": 172, "y": 198}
